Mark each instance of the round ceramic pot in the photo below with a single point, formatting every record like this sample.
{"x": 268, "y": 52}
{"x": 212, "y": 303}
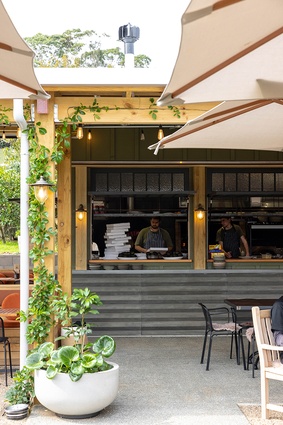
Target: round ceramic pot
{"x": 82, "y": 399}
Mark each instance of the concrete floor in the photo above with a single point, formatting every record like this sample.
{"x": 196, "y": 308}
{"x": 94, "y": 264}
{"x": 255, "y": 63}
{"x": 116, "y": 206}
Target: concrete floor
{"x": 163, "y": 382}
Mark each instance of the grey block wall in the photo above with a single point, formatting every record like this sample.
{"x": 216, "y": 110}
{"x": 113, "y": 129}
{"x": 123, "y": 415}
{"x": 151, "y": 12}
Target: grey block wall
{"x": 162, "y": 302}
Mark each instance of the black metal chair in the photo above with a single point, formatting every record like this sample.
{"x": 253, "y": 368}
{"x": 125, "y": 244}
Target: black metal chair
{"x": 6, "y": 345}
{"x": 229, "y": 327}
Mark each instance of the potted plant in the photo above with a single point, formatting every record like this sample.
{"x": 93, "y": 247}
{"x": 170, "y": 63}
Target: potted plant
{"x": 75, "y": 381}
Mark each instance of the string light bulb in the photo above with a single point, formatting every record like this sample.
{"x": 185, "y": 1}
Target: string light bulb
{"x": 142, "y": 138}
{"x": 80, "y": 132}
{"x": 19, "y": 133}
{"x": 89, "y": 135}
{"x": 160, "y": 133}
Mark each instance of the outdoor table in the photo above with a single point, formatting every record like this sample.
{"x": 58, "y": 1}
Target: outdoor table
{"x": 6, "y": 280}
{"x": 9, "y": 313}
{"x": 248, "y": 303}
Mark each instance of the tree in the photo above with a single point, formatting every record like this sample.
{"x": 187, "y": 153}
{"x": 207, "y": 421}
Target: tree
{"x": 78, "y": 49}
{"x": 10, "y": 189}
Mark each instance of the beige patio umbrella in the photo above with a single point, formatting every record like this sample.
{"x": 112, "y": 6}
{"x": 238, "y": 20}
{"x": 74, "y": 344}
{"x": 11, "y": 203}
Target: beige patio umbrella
{"x": 229, "y": 50}
{"x": 256, "y": 125}
{"x": 17, "y": 76}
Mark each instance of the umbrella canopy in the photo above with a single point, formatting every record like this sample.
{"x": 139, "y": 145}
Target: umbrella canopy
{"x": 229, "y": 50}
{"x": 256, "y": 125}
{"x": 17, "y": 77}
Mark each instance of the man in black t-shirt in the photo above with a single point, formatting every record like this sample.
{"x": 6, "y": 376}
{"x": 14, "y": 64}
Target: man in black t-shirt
{"x": 230, "y": 236}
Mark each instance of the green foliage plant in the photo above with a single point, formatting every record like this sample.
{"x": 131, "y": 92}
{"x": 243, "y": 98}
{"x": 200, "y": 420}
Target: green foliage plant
{"x": 23, "y": 389}
{"x": 80, "y": 357}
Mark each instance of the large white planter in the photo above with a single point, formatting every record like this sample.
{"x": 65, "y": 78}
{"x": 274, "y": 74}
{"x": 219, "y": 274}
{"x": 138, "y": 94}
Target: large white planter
{"x": 81, "y": 399}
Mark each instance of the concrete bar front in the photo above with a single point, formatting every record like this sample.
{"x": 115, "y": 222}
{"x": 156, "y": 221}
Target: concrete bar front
{"x": 165, "y": 302}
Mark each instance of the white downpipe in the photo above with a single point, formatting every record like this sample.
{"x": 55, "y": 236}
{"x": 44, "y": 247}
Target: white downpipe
{"x": 24, "y": 254}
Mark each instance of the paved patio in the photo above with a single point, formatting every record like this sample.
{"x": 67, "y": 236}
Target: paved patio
{"x": 163, "y": 382}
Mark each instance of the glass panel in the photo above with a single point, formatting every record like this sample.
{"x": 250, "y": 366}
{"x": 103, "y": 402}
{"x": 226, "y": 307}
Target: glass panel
{"x": 279, "y": 181}
{"x": 255, "y": 182}
{"x": 230, "y": 182}
{"x": 217, "y": 182}
{"x": 140, "y": 182}
{"x": 101, "y": 182}
{"x": 165, "y": 182}
{"x": 127, "y": 180}
{"x": 114, "y": 182}
{"x": 243, "y": 182}
{"x": 153, "y": 182}
{"x": 178, "y": 181}
{"x": 268, "y": 182}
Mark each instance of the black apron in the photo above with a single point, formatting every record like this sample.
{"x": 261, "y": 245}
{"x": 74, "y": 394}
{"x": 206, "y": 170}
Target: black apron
{"x": 231, "y": 242}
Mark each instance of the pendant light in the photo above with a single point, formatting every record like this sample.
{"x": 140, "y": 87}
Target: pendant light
{"x": 80, "y": 132}
{"x": 89, "y": 135}
{"x": 160, "y": 133}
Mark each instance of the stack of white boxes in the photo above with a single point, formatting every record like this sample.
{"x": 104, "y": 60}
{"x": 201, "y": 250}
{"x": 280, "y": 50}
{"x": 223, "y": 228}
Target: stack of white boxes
{"x": 116, "y": 240}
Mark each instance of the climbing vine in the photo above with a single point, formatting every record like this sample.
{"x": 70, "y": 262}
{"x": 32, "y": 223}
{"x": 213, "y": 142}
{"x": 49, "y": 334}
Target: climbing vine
{"x": 47, "y": 288}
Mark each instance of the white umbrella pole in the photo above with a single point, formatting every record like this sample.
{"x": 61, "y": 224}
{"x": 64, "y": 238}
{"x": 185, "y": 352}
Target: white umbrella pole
{"x": 24, "y": 254}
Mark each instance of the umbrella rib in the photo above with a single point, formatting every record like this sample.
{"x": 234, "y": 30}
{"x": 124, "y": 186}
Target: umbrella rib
{"x": 9, "y": 48}
{"x": 227, "y": 62}
{"x": 17, "y": 84}
{"x": 245, "y": 108}
{"x": 234, "y": 112}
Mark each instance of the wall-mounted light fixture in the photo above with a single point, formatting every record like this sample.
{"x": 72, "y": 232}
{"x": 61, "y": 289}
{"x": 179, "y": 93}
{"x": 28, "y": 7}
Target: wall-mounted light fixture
{"x": 160, "y": 133}
{"x": 19, "y": 133}
{"x": 89, "y": 135}
{"x": 41, "y": 189}
{"x": 80, "y": 212}
{"x": 200, "y": 212}
{"x": 142, "y": 138}
{"x": 80, "y": 132}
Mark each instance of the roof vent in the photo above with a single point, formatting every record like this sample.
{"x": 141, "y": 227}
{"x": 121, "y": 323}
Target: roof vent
{"x": 129, "y": 35}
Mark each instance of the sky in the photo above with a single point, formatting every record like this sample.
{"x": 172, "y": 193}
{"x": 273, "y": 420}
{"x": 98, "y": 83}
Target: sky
{"x": 159, "y": 22}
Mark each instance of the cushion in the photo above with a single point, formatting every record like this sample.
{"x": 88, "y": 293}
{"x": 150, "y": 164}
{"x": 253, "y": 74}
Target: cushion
{"x": 225, "y": 326}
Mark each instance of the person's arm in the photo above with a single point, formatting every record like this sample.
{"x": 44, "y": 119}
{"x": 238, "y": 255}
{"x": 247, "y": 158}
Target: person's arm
{"x": 246, "y": 246}
{"x": 167, "y": 239}
{"x": 140, "y": 248}
{"x": 139, "y": 242}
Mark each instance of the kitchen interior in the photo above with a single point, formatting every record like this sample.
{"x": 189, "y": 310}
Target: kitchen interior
{"x": 260, "y": 217}
{"x": 135, "y": 212}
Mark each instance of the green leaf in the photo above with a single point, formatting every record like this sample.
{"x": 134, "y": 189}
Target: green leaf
{"x": 77, "y": 369}
{"x": 68, "y": 355}
{"x": 34, "y": 361}
{"x": 46, "y": 349}
{"x": 51, "y": 372}
{"x": 89, "y": 360}
{"x": 104, "y": 345}
{"x": 75, "y": 377}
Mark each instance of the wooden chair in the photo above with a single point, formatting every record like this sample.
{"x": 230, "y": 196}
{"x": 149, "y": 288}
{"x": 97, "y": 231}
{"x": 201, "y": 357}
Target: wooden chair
{"x": 6, "y": 346}
{"x": 269, "y": 357}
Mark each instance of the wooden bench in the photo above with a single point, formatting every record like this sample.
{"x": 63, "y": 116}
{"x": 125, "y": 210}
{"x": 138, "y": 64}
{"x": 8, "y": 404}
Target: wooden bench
{"x": 269, "y": 357}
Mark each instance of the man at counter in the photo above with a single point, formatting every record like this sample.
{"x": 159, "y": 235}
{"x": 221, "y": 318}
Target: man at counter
{"x": 230, "y": 236}
{"x": 153, "y": 237}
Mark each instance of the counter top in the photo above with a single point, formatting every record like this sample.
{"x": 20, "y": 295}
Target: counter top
{"x": 248, "y": 260}
{"x": 184, "y": 260}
